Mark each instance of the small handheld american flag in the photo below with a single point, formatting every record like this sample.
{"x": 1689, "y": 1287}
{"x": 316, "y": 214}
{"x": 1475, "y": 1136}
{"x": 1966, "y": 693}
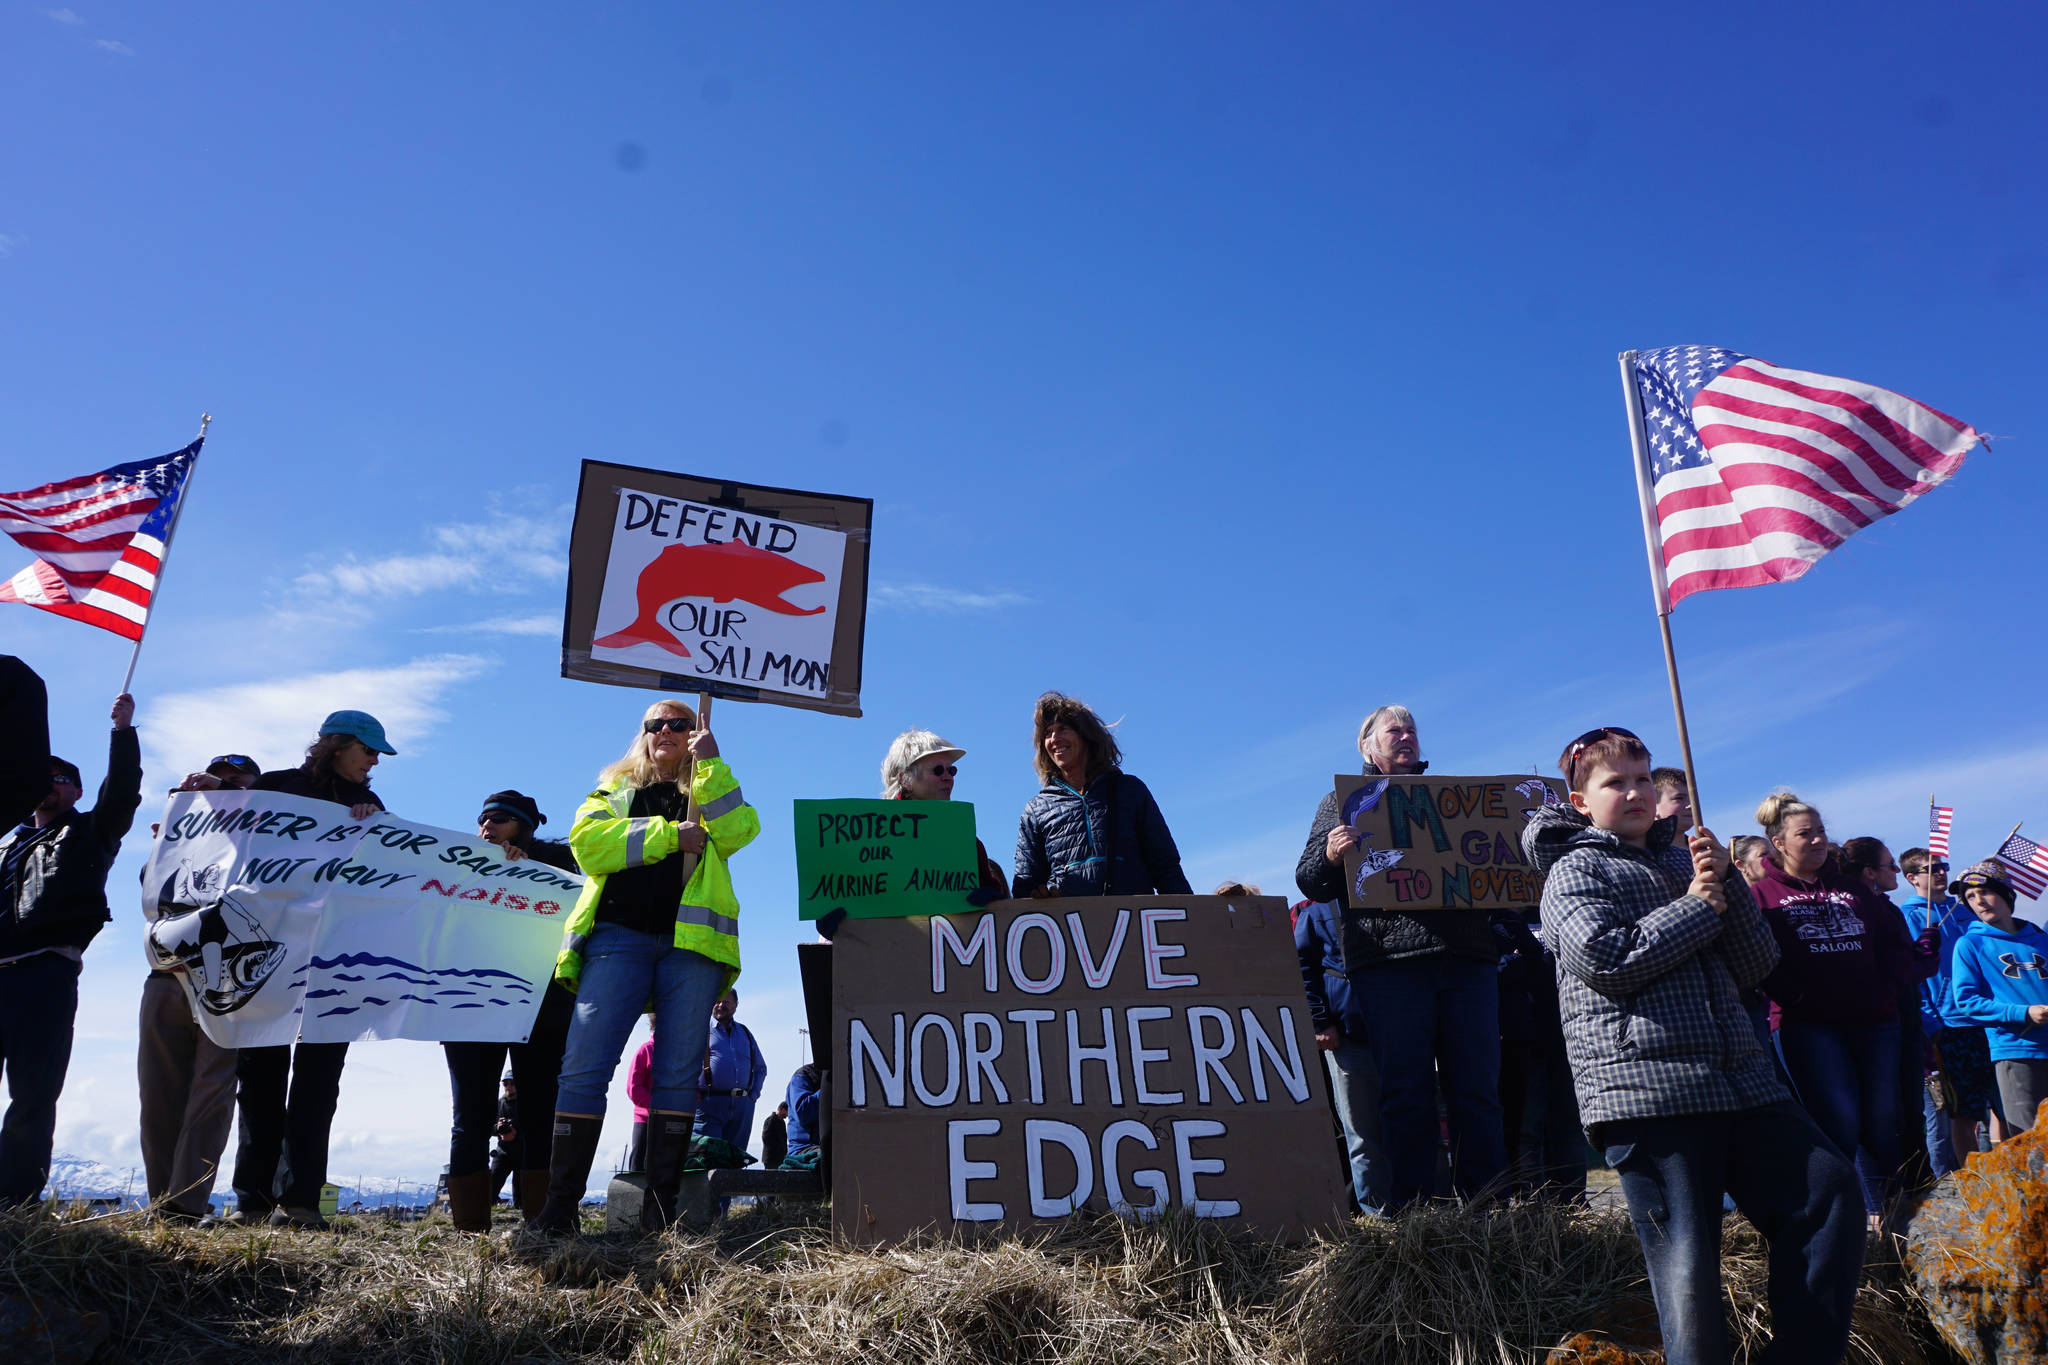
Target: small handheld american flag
{"x": 1750, "y": 472}
{"x": 2028, "y": 863}
{"x": 1939, "y": 819}
{"x": 100, "y": 540}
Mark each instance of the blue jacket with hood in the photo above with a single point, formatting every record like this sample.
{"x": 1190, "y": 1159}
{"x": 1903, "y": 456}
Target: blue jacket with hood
{"x": 1997, "y": 977}
{"x": 1955, "y": 920}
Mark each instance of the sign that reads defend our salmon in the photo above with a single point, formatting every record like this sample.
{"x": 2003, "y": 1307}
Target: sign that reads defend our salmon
{"x": 692, "y": 585}
{"x": 1047, "y": 1056}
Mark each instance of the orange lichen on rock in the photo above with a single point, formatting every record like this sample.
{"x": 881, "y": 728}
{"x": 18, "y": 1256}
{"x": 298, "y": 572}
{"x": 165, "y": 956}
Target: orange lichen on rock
{"x": 1627, "y": 1333}
{"x": 1590, "y": 1348}
{"x": 1978, "y": 1250}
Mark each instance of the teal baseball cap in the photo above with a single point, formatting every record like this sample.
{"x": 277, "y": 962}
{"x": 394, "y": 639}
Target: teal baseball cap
{"x": 362, "y": 725}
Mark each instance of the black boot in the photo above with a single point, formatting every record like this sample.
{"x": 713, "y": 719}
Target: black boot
{"x": 576, "y": 1139}
{"x": 668, "y": 1149}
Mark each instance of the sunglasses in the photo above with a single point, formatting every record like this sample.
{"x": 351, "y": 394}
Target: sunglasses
{"x": 676, "y": 724}
{"x": 944, "y": 769}
{"x": 233, "y": 761}
{"x": 495, "y": 817}
{"x": 1586, "y": 741}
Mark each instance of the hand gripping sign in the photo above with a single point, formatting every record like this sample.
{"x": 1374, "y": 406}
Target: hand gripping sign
{"x": 1042, "y": 1057}
{"x": 686, "y": 584}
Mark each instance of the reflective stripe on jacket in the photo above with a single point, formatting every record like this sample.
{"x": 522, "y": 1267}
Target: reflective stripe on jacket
{"x": 607, "y": 838}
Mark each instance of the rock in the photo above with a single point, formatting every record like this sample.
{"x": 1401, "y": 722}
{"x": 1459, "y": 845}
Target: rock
{"x": 1626, "y": 1335}
{"x": 46, "y": 1332}
{"x": 1978, "y": 1253}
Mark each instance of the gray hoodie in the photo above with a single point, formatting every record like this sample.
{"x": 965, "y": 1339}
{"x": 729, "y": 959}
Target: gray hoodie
{"x": 1650, "y": 978}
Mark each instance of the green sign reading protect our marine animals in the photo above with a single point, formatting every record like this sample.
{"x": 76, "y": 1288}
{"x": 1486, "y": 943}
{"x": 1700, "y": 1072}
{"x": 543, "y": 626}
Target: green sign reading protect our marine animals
{"x": 874, "y": 858}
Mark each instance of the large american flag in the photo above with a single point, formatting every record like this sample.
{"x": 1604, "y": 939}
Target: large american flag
{"x": 1757, "y": 471}
{"x": 1939, "y": 821}
{"x": 2028, "y": 863}
{"x": 99, "y": 540}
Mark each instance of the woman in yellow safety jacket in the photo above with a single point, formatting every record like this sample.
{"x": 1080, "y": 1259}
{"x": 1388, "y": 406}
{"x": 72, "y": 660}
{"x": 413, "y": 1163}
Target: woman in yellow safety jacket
{"x": 656, "y": 922}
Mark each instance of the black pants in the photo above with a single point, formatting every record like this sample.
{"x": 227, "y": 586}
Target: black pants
{"x": 504, "y": 1161}
{"x": 474, "y": 1074}
{"x": 287, "y": 1107}
{"x": 38, "y": 1006}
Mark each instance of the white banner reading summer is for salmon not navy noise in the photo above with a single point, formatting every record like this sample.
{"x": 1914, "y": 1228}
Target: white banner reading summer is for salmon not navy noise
{"x": 289, "y": 921}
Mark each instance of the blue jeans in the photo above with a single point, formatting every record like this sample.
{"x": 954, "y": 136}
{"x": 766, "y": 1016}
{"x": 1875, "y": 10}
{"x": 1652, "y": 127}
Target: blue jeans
{"x": 622, "y": 970}
{"x": 38, "y": 1006}
{"x": 1355, "y": 1093}
{"x": 1788, "y": 1180}
{"x": 1428, "y": 1021}
{"x": 1847, "y": 1076}
{"x": 1941, "y": 1146}
{"x": 730, "y": 1122}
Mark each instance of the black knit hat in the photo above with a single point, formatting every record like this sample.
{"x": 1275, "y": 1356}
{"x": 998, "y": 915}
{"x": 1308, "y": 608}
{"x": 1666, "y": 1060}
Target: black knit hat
{"x": 515, "y": 803}
{"x": 1986, "y": 873}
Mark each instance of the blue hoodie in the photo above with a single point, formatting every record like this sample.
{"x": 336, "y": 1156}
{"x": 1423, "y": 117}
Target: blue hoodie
{"x": 1955, "y": 921}
{"x": 1997, "y": 976}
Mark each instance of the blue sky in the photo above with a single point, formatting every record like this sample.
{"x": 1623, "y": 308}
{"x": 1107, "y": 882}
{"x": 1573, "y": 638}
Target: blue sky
{"x": 1236, "y": 368}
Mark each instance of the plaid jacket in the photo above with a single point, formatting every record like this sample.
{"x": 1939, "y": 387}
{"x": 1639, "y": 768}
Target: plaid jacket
{"x": 1649, "y": 978}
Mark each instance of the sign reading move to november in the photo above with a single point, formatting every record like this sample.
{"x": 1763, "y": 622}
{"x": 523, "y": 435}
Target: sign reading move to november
{"x": 288, "y": 920}
{"x": 873, "y": 857}
{"x": 739, "y": 591}
{"x": 1048, "y": 1056}
{"x": 1439, "y": 843}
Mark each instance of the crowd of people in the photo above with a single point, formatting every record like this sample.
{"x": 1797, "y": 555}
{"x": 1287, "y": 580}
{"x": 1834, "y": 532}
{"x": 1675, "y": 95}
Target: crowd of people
{"x": 1755, "y": 1024}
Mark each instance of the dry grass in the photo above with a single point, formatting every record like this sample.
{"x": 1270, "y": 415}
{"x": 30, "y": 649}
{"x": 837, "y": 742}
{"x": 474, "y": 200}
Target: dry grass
{"x": 1437, "y": 1285}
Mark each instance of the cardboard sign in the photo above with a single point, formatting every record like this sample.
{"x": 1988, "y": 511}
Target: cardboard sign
{"x": 684, "y": 584}
{"x": 1131, "y": 1054}
{"x": 287, "y": 920}
{"x": 1442, "y": 843}
{"x": 872, "y": 857}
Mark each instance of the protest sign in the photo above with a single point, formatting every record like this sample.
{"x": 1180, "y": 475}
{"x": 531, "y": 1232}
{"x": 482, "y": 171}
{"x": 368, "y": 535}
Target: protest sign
{"x": 1129, "y": 1054}
{"x": 288, "y": 920}
{"x": 873, "y": 857}
{"x": 1439, "y": 843}
{"x": 686, "y": 584}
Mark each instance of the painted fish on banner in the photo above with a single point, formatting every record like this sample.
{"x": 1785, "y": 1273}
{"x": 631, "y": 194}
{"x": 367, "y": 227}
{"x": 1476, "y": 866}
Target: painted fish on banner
{"x": 287, "y": 921}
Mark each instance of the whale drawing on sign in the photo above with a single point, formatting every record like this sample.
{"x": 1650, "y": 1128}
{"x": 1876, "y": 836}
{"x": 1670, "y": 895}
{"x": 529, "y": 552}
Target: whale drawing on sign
{"x": 1533, "y": 787}
{"x": 1364, "y": 799}
{"x": 731, "y": 572}
{"x": 1371, "y": 863}
{"x": 223, "y": 947}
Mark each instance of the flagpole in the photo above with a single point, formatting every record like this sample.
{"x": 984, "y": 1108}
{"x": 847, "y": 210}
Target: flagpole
{"x": 1660, "y": 590}
{"x": 170, "y": 535}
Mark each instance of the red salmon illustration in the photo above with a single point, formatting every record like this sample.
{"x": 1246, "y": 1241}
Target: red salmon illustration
{"x": 723, "y": 573}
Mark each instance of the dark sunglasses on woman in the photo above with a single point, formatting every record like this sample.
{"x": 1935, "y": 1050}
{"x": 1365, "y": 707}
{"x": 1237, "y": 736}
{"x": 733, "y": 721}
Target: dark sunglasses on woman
{"x": 678, "y": 724}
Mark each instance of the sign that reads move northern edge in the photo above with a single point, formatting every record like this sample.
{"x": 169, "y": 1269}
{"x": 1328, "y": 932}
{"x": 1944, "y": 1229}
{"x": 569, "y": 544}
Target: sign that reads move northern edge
{"x": 685, "y": 584}
{"x": 1046, "y": 1056}
{"x": 873, "y": 857}
{"x": 288, "y": 920}
{"x": 1442, "y": 843}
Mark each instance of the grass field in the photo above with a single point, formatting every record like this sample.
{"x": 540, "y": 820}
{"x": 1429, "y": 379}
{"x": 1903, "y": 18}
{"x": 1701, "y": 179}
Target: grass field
{"x": 1436, "y": 1285}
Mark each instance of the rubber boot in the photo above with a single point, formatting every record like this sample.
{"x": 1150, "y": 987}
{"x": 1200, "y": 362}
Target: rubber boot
{"x": 469, "y": 1201}
{"x": 530, "y": 1189}
{"x": 668, "y": 1149}
{"x": 576, "y": 1139}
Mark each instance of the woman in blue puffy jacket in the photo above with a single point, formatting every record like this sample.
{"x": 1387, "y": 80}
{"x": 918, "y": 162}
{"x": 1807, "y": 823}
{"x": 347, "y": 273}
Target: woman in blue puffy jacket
{"x": 1093, "y": 829}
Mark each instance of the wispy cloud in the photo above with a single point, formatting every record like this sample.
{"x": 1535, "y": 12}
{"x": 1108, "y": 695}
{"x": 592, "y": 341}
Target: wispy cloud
{"x": 544, "y": 624}
{"x": 505, "y": 544}
{"x": 9, "y": 242}
{"x": 117, "y": 48}
{"x": 274, "y": 720}
{"x": 931, "y": 597}
{"x": 65, "y": 16}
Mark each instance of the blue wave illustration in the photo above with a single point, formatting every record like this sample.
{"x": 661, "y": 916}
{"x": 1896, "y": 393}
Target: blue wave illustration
{"x": 373, "y": 960}
{"x": 452, "y": 987}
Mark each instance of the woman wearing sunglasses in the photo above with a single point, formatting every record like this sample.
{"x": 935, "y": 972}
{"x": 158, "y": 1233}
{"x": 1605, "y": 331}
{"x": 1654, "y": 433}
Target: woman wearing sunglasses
{"x": 921, "y": 767}
{"x": 656, "y": 920}
{"x": 508, "y": 821}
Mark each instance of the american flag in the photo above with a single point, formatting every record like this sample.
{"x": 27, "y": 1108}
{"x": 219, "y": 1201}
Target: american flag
{"x": 2028, "y": 863}
{"x": 99, "y": 540}
{"x": 1758, "y": 471}
{"x": 1939, "y": 819}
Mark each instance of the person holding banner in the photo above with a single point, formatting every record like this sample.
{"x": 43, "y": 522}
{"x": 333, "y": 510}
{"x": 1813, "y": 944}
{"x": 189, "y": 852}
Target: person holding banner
{"x": 1427, "y": 984}
{"x": 287, "y": 1092}
{"x": 508, "y": 821}
{"x": 920, "y": 766}
{"x": 1093, "y": 829}
{"x": 1844, "y": 960}
{"x": 657, "y": 918}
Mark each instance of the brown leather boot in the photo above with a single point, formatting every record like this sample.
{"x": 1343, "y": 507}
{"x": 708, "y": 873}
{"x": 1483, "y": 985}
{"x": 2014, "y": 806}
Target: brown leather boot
{"x": 469, "y": 1201}
{"x": 530, "y": 1191}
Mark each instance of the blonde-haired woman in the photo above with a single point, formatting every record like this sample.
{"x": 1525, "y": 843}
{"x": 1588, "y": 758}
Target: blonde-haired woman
{"x": 648, "y": 925}
{"x": 1843, "y": 961}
